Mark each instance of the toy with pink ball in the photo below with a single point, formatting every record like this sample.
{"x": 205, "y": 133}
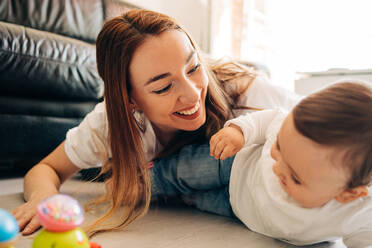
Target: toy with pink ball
{"x": 61, "y": 215}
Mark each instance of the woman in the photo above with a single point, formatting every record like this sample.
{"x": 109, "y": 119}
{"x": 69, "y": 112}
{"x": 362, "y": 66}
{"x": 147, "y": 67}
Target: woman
{"x": 159, "y": 96}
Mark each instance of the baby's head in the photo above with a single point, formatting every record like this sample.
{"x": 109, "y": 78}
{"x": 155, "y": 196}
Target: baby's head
{"x": 324, "y": 148}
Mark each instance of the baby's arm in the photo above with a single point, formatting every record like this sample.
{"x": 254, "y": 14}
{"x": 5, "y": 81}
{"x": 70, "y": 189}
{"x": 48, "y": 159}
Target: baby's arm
{"x": 226, "y": 142}
{"x": 247, "y": 129}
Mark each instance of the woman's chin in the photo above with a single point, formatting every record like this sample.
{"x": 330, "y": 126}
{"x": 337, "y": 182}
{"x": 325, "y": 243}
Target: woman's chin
{"x": 190, "y": 122}
{"x": 192, "y": 126}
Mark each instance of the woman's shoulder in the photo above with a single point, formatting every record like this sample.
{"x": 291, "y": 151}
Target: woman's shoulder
{"x": 263, "y": 94}
{"x": 94, "y": 123}
{"x": 98, "y": 115}
{"x": 263, "y": 85}
{"x": 100, "y": 108}
{"x": 86, "y": 143}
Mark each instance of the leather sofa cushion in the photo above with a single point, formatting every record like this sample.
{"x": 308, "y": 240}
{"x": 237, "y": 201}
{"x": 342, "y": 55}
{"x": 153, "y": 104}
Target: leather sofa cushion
{"x": 45, "y": 107}
{"x": 38, "y": 64}
{"x": 80, "y": 19}
{"x": 27, "y": 137}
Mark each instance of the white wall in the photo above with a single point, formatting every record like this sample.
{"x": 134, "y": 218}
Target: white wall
{"x": 194, "y": 15}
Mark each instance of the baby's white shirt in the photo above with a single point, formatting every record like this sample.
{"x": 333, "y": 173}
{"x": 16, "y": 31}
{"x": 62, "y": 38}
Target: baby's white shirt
{"x": 259, "y": 201}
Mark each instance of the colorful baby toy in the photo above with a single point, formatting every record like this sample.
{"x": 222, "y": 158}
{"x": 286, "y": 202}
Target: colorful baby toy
{"x": 8, "y": 229}
{"x": 61, "y": 216}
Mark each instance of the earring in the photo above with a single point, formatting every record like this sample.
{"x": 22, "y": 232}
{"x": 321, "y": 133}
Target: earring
{"x": 139, "y": 117}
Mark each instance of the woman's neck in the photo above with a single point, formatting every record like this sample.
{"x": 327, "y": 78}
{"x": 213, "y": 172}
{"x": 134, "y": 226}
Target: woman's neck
{"x": 163, "y": 135}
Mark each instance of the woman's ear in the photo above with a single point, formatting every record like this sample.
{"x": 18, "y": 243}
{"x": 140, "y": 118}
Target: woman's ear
{"x": 133, "y": 105}
{"x": 349, "y": 195}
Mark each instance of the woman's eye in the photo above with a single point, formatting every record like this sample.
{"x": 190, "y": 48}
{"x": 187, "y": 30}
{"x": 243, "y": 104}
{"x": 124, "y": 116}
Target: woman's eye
{"x": 163, "y": 90}
{"x": 193, "y": 69}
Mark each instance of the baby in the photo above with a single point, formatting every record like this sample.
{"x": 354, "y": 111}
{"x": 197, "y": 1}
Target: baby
{"x": 302, "y": 178}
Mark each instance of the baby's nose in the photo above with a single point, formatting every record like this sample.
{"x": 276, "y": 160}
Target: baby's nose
{"x": 273, "y": 153}
{"x": 279, "y": 174}
{"x": 275, "y": 169}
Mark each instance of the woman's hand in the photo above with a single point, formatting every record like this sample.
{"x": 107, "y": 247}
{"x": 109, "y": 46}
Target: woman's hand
{"x": 41, "y": 181}
{"x": 226, "y": 142}
{"x": 26, "y": 216}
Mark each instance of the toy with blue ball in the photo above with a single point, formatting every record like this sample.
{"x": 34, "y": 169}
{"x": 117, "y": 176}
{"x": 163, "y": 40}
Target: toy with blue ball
{"x": 8, "y": 229}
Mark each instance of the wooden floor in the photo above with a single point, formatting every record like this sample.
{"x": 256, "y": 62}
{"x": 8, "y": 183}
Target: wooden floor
{"x": 167, "y": 226}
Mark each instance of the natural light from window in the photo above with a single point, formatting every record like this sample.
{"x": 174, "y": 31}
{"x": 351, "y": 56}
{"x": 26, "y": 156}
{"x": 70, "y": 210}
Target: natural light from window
{"x": 295, "y": 38}
{"x": 317, "y": 35}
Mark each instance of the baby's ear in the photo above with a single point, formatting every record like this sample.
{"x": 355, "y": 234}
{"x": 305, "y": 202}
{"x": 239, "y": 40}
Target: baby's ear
{"x": 349, "y": 195}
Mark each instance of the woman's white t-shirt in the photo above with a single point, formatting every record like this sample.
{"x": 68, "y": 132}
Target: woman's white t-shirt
{"x": 87, "y": 144}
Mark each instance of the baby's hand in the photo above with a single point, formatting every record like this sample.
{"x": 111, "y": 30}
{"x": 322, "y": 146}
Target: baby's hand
{"x": 226, "y": 142}
{"x": 26, "y": 217}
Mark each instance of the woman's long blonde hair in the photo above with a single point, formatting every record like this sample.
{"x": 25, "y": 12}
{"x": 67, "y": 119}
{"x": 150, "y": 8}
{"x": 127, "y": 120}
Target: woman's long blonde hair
{"x": 129, "y": 183}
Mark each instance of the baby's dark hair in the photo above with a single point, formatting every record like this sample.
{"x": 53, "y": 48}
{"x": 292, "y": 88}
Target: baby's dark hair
{"x": 341, "y": 116}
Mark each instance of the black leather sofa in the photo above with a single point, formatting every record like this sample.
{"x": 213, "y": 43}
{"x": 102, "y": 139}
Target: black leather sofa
{"x": 48, "y": 75}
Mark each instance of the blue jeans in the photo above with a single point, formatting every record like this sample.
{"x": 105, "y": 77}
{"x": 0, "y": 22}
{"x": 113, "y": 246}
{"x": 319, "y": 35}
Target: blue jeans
{"x": 199, "y": 178}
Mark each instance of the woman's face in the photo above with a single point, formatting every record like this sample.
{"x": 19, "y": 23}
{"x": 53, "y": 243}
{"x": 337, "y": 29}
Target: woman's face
{"x": 168, "y": 82}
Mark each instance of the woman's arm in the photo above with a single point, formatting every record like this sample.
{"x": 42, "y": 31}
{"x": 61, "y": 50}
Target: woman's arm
{"x": 40, "y": 182}
{"x": 82, "y": 148}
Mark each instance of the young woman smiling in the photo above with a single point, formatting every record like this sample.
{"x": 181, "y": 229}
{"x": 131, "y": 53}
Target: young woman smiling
{"x": 159, "y": 96}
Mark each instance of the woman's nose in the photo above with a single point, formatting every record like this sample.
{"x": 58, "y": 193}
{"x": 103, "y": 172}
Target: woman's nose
{"x": 189, "y": 92}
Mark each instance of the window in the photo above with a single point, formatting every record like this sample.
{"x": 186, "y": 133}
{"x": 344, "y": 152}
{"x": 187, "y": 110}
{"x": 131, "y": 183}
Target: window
{"x": 292, "y": 36}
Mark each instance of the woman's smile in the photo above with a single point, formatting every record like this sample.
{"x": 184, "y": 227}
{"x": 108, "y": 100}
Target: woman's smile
{"x": 189, "y": 113}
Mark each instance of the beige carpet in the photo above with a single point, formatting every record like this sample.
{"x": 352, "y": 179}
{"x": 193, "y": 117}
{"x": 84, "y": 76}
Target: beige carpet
{"x": 175, "y": 226}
